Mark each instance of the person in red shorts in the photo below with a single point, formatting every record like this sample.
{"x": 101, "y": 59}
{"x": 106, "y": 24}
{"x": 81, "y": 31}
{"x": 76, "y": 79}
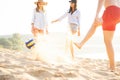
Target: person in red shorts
{"x": 110, "y": 18}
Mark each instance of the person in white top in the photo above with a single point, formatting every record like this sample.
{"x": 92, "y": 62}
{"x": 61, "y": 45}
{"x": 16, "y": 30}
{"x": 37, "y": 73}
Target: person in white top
{"x": 110, "y": 18}
{"x": 39, "y": 20}
{"x": 74, "y": 23}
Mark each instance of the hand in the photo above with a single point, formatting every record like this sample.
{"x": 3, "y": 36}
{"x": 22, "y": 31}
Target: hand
{"x": 78, "y": 32}
{"x": 98, "y": 21}
{"x": 47, "y": 32}
{"x": 32, "y": 29}
{"x": 54, "y": 21}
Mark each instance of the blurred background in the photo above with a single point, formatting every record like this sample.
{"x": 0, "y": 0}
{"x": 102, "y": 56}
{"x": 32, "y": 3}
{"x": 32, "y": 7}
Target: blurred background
{"x": 16, "y": 16}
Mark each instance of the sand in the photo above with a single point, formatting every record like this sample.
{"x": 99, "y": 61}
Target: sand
{"x": 16, "y": 65}
{"x": 48, "y": 61}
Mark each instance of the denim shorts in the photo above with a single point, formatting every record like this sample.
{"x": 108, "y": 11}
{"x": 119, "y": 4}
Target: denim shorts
{"x": 73, "y": 27}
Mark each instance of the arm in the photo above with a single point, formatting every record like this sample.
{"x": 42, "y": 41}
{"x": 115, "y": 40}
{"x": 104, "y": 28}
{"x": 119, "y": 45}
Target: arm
{"x": 46, "y": 29}
{"x": 100, "y": 5}
{"x": 78, "y": 23}
{"x": 79, "y": 31}
{"x": 62, "y": 17}
{"x": 32, "y": 22}
{"x": 33, "y": 17}
{"x": 46, "y": 23}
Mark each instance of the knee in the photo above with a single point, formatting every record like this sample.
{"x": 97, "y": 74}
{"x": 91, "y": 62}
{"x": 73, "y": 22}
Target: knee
{"x": 107, "y": 42}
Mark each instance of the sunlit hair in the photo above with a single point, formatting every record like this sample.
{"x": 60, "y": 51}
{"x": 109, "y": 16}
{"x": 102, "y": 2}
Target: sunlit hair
{"x": 37, "y": 8}
{"x": 75, "y": 8}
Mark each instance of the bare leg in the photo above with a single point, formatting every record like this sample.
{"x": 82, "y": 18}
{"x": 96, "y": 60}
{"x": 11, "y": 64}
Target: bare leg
{"x": 108, "y": 36}
{"x": 66, "y": 45}
{"x": 71, "y": 49}
{"x": 69, "y": 46}
{"x": 88, "y": 36}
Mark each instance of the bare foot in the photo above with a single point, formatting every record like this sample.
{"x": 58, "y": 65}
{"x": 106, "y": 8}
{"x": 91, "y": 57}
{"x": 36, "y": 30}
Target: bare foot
{"x": 77, "y": 45}
{"x": 112, "y": 70}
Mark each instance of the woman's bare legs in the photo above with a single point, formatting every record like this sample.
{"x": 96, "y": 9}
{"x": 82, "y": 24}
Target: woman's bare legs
{"x": 88, "y": 36}
{"x": 69, "y": 45}
{"x": 108, "y": 36}
{"x": 66, "y": 44}
{"x": 71, "y": 49}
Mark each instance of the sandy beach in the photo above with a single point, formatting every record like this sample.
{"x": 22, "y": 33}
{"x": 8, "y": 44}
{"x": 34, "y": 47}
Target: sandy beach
{"x": 54, "y": 64}
{"x": 17, "y": 66}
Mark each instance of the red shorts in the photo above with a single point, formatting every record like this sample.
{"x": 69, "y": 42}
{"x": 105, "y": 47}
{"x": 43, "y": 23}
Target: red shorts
{"x": 111, "y": 17}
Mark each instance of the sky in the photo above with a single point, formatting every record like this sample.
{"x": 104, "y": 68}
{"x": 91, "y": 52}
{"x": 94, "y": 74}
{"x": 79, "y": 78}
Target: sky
{"x": 16, "y": 15}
